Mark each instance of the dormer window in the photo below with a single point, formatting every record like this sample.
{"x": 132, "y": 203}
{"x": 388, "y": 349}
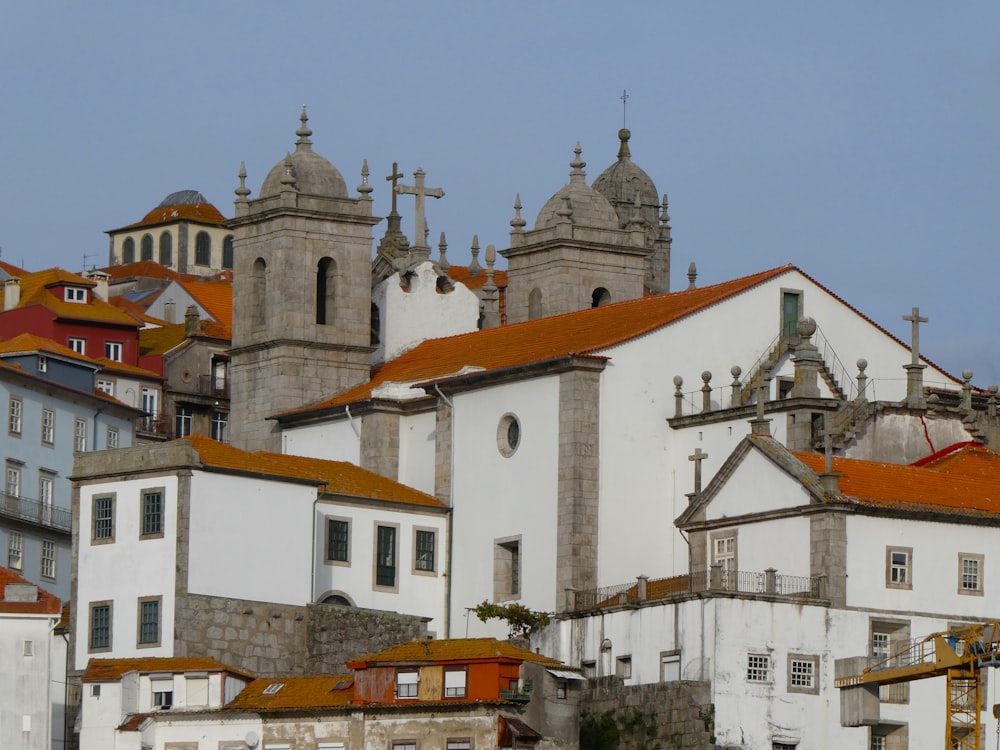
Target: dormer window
{"x": 76, "y": 294}
{"x": 406, "y": 684}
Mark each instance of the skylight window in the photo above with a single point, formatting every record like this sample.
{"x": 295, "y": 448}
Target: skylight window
{"x": 273, "y": 688}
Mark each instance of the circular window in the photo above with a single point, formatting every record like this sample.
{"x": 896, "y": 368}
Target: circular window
{"x": 508, "y": 434}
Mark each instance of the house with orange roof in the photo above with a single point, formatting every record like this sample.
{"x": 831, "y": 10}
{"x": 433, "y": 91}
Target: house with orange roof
{"x": 54, "y": 410}
{"x": 184, "y": 232}
{"x": 32, "y": 665}
{"x": 796, "y": 561}
{"x": 179, "y": 536}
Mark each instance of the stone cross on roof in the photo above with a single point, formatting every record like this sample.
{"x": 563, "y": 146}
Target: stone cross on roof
{"x": 394, "y": 178}
{"x": 421, "y": 192}
{"x": 915, "y": 320}
{"x": 698, "y": 456}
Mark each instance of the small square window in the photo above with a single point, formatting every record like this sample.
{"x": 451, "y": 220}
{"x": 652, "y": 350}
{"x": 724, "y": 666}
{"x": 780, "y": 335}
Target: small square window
{"x": 407, "y": 684}
{"x": 113, "y": 351}
{"x": 758, "y": 668}
{"x": 803, "y": 674}
{"x": 670, "y": 666}
{"x": 899, "y": 567}
{"x": 106, "y": 386}
{"x": 78, "y": 345}
{"x": 76, "y": 294}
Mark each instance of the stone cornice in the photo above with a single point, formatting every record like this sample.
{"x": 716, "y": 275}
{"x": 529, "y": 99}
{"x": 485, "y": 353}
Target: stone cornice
{"x": 749, "y": 411}
{"x": 305, "y": 344}
{"x": 556, "y": 366}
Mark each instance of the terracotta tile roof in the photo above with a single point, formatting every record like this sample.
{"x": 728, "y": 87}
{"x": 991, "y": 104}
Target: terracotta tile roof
{"x": 147, "y": 269}
{"x": 461, "y": 274}
{"x": 215, "y": 296}
{"x": 948, "y": 489}
{"x": 45, "y": 604}
{"x": 334, "y": 477}
{"x": 109, "y": 670}
{"x": 11, "y": 270}
{"x": 108, "y": 365}
{"x": 451, "y": 650}
{"x": 36, "y": 290}
{"x": 971, "y": 459}
{"x": 318, "y": 691}
{"x": 133, "y": 722}
{"x": 202, "y": 213}
{"x": 160, "y": 340}
{"x": 137, "y": 309}
{"x": 28, "y": 342}
{"x": 579, "y": 333}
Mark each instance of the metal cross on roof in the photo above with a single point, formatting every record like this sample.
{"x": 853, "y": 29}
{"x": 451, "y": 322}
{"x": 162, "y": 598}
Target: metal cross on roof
{"x": 915, "y": 320}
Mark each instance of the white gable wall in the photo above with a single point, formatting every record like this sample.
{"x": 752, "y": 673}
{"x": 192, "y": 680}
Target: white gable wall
{"x": 249, "y": 538}
{"x": 128, "y": 568}
{"x": 762, "y": 487}
{"x": 333, "y": 440}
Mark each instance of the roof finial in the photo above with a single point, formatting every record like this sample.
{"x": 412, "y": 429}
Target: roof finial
{"x": 636, "y": 219}
{"x": 303, "y": 143}
{"x": 517, "y": 222}
{"x": 474, "y": 268}
{"x": 242, "y": 191}
{"x": 288, "y": 178}
{"x": 577, "y": 164}
{"x": 623, "y": 151}
{"x": 692, "y": 275}
{"x": 491, "y": 258}
{"x": 664, "y": 216}
{"x": 364, "y": 188}
{"x": 442, "y": 250}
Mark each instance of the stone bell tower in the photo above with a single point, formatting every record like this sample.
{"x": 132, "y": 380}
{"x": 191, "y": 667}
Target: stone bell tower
{"x": 301, "y": 291}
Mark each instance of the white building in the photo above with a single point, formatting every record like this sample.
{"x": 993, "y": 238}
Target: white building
{"x": 32, "y": 666}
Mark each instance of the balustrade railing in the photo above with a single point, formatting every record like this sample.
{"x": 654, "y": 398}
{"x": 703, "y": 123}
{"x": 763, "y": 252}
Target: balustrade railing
{"x": 33, "y": 511}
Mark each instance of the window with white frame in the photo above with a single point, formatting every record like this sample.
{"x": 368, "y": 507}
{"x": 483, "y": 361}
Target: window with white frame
{"x": 803, "y": 674}
{"x": 404, "y": 745}
{"x": 899, "y": 567}
{"x": 888, "y": 639}
{"x": 182, "y": 421}
{"x": 458, "y": 744}
{"x": 80, "y": 435}
{"x": 724, "y": 555}
{"x": 150, "y": 398}
{"x": 43, "y": 363}
{"x": 15, "y": 550}
{"x": 78, "y": 345}
{"x": 670, "y": 666}
{"x": 106, "y": 386}
{"x": 76, "y": 294}
{"x": 454, "y": 683}
{"x": 220, "y": 426}
{"x": 163, "y": 692}
{"x": 113, "y": 351}
{"x": 196, "y": 690}
{"x": 970, "y": 574}
{"x": 14, "y": 411}
{"x": 758, "y": 668}
{"x": 46, "y": 494}
{"x": 112, "y": 438}
{"x": 406, "y": 684}
{"x": 12, "y": 480}
{"x": 48, "y": 426}
{"x": 48, "y": 559}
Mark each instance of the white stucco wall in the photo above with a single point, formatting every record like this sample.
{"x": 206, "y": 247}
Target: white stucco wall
{"x": 417, "y": 451}
{"x": 127, "y": 569}
{"x": 417, "y": 592}
{"x": 761, "y": 487}
{"x": 496, "y": 496}
{"x": 32, "y": 682}
{"x": 249, "y": 538}
{"x": 333, "y": 440}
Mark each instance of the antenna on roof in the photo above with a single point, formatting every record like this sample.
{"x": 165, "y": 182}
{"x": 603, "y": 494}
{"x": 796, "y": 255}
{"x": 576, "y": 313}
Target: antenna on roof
{"x": 85, "y": 256}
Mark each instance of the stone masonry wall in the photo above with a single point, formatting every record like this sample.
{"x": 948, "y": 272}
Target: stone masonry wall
{"x": 666, "y": 715}
{"x": 268, "y": 639}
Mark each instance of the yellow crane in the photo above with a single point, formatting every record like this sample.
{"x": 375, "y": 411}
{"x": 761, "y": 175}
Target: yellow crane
{"x": 958, "y": 654}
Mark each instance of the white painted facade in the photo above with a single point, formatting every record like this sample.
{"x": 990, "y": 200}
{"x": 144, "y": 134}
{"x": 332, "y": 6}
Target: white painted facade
{"x": 33, "y": 669}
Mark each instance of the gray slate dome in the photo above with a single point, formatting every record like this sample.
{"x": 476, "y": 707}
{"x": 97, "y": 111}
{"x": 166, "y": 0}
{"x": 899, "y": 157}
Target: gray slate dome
{"x": 622, "y": 180}
{"x": 589, "y": 208}
{"x": 313, "y": 174}
{"x": 183, "y": 198}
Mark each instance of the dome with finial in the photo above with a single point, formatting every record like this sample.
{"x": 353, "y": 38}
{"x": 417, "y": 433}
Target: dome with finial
{"x": 620, "y": 182}
{"x": 311, "y": 174}
{"x": 586, "y": 206}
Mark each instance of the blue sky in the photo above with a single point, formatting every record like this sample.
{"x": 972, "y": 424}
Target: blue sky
{"x": 857, "y": 140}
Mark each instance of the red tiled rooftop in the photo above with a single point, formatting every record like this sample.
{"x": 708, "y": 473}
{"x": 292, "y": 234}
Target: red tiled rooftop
{"x": 215, "y": 296}
{"x": 44, "y": 604}
{"x": 28, "y": 342}
{"x": 318, "y": 691}
{"x": 107, "y": 670}
{"x": 200, "y": 213}
{"x": 451, "y": 650}
{"x": 147, "y": 269}
{"x": 36, "y": 289}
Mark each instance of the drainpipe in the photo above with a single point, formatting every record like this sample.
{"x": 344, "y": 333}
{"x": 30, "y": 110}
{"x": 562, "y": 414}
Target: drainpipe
{"x": 96, "y": 415}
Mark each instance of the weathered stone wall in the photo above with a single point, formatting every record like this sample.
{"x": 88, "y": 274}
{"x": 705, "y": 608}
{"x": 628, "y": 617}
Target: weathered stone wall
{"x": 268, "y": 639}
{"x": 667, "y": 715}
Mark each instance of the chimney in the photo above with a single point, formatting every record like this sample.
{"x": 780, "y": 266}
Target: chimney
{"x": 11, "y": 294}
{"x": 101, "y": 279}
{"x": 170, "y": 311}
{"x": 191, "y": 321}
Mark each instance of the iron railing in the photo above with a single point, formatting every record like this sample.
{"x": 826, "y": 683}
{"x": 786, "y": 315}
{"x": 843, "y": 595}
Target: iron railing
{"x": 13, "y": 506}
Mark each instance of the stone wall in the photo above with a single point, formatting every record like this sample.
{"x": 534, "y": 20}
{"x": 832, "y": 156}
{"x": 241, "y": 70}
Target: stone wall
{"x": 268, "y": 639}
{"x": 666, "y": 715}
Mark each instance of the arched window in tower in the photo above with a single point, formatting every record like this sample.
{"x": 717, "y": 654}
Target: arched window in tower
{"x": 600, "y": 297}
{"x": 166, "y": 249}
{"x": 535, "y": 304}
{"x": 325, "y": 290}
{"x": 376, "y": 325}
{"x": 258, "y": 291}
{"x": 227, "y": 252}
{"x": 147, "y": 247}
{"x": 128, "y": 250}
{"x": 203, "y": 249}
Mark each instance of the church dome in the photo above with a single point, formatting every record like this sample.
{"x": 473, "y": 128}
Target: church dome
{"x": 313, "y": 175}
{"x": 587, "y": 207}
{"x": 620, "y": 182}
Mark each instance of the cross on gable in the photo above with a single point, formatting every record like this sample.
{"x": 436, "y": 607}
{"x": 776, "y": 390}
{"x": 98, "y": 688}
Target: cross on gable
{"x": 915, "y": 321}
{"x": 420, "y": 191}
{"x": 394, "y": 179}
{"x": 828, "y": 432}
{"x": 698, "y": 456}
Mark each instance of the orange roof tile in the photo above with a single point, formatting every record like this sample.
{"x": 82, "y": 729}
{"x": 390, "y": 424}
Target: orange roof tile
{"x": 578, "y": 333}
{"x": 11, "y": 270}
{"x": 160, "y": 340}
{"x": 202, "y": 213}
{"x": 334, "y": 477}
{"x": 451, "y": 650}
{"x": 461, "y": 274}
{"x": 147, "y": 269}
{"x": 215, "y": 296}
{"x": 28, "y": 342}
{"x": 970, "y": 459}
{"x": 137, "y": 309}
{"x": 946, "y": 488}
{"x": 36, "y": 290}
{"x": 109, "y": 365}
{"x": 316, "y": 691}
{"x": 44, "y": 604}
{"x": 107, "y": 670}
